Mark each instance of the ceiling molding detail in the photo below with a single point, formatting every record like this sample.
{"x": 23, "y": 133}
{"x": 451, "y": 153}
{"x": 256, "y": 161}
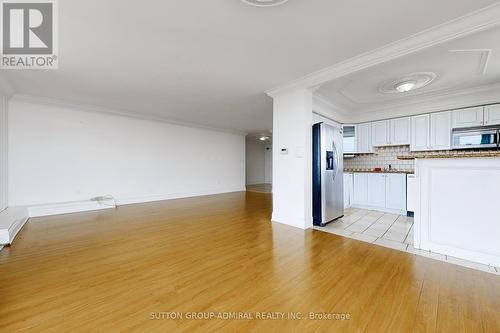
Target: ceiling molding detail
{"x": 485, "y": 55}
{"x": 98, "y": 109}
{"x": 470, "y": 97}
{"x": 326, "y": 108}
{"x": 480, "y": 20}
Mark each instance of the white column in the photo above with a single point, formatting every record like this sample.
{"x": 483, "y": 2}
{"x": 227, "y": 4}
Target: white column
{"x": 292, "y": 158}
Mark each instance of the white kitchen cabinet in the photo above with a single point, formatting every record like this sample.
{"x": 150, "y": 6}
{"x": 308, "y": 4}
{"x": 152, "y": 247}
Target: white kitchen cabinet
{"x": 379, "y": 191}
{"x": 381, "y": 133}
{"x": 391, "y": 132}
{"x": 492, "y": 115}
{"x": 420, "y": 126}
{"x": 400, "y": 131}
{"x": 395, "y": 191}
{"x": 360, "y": 189}
{"x": 440, "y": 131}
{"x": 376, "y": 189}
{"x": 350, "y": 142}
{"x": 364, "y": 138}
{"x": 348, "y": 190}
{"x": 470, "y": 117}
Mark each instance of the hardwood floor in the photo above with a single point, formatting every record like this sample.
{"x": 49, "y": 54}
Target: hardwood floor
{"x": 108, "y": 271}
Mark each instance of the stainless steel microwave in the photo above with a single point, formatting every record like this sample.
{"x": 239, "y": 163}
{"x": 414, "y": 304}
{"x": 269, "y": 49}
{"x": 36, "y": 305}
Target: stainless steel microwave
{"x": 474, "y": 138}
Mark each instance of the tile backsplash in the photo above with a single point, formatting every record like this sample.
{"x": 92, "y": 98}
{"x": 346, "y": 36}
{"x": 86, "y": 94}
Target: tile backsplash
{"x": 382, "y": 157}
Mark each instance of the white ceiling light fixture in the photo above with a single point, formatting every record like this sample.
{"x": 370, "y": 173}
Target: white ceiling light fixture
{"x": 408, "y": 83}
{"x": 264, "y": 138}
{"x": 405, "y": 86}
{"x": 264, "y": 3}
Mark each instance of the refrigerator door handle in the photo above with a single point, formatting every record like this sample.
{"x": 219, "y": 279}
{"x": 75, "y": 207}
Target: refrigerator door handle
{"x": 335, "y": 161}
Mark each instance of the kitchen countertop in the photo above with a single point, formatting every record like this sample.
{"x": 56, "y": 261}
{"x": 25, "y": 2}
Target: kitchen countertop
{"x": 460, "y": 154}
{"x": 373, "y": 171}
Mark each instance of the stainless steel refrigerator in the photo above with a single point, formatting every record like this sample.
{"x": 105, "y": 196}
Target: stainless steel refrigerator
{"x": 328, "y": 177}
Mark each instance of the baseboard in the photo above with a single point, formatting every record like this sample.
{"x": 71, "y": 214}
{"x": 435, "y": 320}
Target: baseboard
{"x": 295, "y": 223}
{"x": 69, "y": 207}
{"x": 172, "y": 196}
{"x": 13, "y": 219}
{"x": 11, "y": 222}
{"x": 379, "y": 209}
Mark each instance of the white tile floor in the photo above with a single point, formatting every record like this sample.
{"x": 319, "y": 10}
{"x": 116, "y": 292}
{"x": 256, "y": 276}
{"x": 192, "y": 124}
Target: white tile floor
{"x": 390, "y": 230}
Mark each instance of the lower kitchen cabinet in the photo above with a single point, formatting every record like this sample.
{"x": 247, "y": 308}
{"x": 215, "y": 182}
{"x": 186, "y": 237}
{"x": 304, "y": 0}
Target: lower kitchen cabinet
{"x": 380, "y": 191}
{"x": 348, "y": 189}
{"x": 360, "y": 189}
{"x": 376, "y": 189}
{"x": 395, "y": 194}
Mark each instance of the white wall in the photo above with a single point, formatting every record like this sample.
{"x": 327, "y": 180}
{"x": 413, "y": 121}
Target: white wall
{"x": 59, "y": 154}
{"x": 3, "y": 152}
{"x": 259, "y": 162}
{"x": 255, "y": 162}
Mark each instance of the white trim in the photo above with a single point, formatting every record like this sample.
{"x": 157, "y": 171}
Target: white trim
{"x": 294, "y": 223}
{"x": 69, "y": 207}
{"x": 11, "y": 221}
{"x": 92, "y": 108}
{"x": 381, "y": 209}
{"x": 173, "y": 196}
{"x": 473, "y": 22}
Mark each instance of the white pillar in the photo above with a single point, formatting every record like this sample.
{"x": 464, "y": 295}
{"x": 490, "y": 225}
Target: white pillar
{"x": 292, "y": 158}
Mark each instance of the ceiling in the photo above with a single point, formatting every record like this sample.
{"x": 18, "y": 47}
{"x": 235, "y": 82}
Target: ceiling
{"x": 462, "y": 66}
{"x": 209, "y": 62}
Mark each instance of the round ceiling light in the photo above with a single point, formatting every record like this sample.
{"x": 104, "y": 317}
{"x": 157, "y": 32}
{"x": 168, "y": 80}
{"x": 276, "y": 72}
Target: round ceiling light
{"x": 405, "y": 86}
{"x": 408, "y": 83}
{"x": 264, "y": 3}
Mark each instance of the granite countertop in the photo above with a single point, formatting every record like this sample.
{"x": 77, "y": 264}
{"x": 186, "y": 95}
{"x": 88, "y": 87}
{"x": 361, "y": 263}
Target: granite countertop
{"x": 451, "y": 154}
{"x": 373, "y": 171}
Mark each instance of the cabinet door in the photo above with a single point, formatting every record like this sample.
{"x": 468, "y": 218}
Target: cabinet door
{"x": 492, "y": 115}
{"x": 348, "y": 190}
{"x": 380, "y": 133}
{"x": 360, "y": 190}
{"x": 376, "y": 190}
{"x": 349, "y": 139}
{"x": 441, "y": 130}
{"x": 400, "y": 131}
{"x": 420, "y": 133}
{"x": 396, "y": 191}
{"x": 468, "y": 117}
{"x": 364, "y": 138}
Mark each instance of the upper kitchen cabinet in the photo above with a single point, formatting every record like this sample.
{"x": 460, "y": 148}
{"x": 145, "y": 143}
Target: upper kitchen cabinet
{"x": 431, "y": 131}
{"x": 380, "y": 133}
{"x": 400, "y": 131}
{"x": 440, "y": 131}
{"x": 492, "y": 115}
{"x": 350, "y": 142}
{"x": 470, "y": 117}
{"x": 420, "y": 126}
{"x": 364, "y": 138}
{"x": 391, "y": 132}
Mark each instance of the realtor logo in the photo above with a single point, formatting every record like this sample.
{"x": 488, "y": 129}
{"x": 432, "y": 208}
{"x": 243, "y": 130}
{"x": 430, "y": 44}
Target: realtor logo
{"x": 28, "y": 34}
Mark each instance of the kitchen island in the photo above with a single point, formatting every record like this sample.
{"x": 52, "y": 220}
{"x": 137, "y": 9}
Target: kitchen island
{"x": 458, "y": 206}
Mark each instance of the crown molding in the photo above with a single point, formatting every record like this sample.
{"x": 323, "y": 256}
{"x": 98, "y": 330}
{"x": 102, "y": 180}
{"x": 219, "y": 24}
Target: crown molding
{"x": 480, "y": 20}
{"x": 326, "y": 108}
{"x": 470, "y": 97}
{"x": 97, "y": 109}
